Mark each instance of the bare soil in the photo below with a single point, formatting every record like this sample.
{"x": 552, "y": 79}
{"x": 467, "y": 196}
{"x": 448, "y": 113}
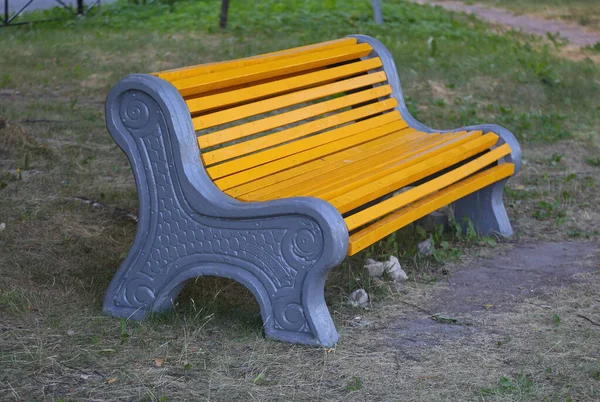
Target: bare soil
{"x": 499, "y": 283}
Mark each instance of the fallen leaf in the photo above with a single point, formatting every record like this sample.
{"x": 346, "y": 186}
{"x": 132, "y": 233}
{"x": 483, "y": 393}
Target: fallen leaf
{"x": 158, "y": 362}
{"x": 111, "y": 380}
{"x": 259, "y": 378}
{"x": 109, "y": 350}
{"x": 488, "y": 306}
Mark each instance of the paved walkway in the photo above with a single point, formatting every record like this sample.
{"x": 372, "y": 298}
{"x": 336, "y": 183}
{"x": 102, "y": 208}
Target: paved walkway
{"x": 526, "y": 23}
{"x": 15, "y": 5}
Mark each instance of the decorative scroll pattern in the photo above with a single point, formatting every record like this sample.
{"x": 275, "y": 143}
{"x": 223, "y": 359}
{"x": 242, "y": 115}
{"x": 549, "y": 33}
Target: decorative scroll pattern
{"x": 279, "y": 251}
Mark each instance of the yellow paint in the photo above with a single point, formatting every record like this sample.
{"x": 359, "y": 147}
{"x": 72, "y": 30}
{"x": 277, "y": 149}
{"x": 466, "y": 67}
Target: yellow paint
{"x": 222, "y": 79}
{"x": 403, "y": 217}
{"x": 295, "y": 83}
{"x": 304, "y": 113}
{"x": 355, "y": 175}
{"x": 287, "y": 151}
{"x": 278, "y": 102}
{"x": 348, "y": 195}
{"x": 391, "y": 204}
{"x": 315, "y": 166}
{"x": 315, "y": 178}
{"x": 209, "y": 68}
{"x": 277, "y": 138}
{"x": 316, "y": 150}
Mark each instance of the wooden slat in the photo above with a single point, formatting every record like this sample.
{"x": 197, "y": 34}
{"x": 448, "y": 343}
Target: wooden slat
{"x": 314, "y": 167}
{"x": 304, "y": 113}
{"x": 249, "y": 146}
{"x": 278, "y": 102}
{"x": 269, "y": 156}
{"x": 209, "y": 68}
{"x": 411, "y": 213}
{"x": 401, "y": 200}
{"x": 206, "y": 82}
{"x": 295, "y": 83}
{"x": 372, "y": 189}
{"x": 355, "y": 175}
{"x": 357, "y": 136}
{"x": 287, "y": 151}
{"x": 408, "y": 139}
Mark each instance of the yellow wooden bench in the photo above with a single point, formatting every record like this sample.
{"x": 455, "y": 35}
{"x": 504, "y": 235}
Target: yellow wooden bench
{"x": 271, "y": 169}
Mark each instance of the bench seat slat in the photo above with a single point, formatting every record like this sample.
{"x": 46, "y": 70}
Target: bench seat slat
{"x": 315, "y": 166}
{"x": 209, "y": 68}
{"x": 280, "y": 86}
{"x": 246, "y": 164}
{"x": 266, "y": 141}
{"x": 206, "y": 82}
{"x": 278, "y": 102}
{"x": 304, "y": 113}
{"x": 350, "y": 135}
{"x": 360, "y": 179}
{"x": 371, "y": 189}
{"x": 364, "y": 238}
{"x": 401, "y": 200}
{"x": 375, "y": 166}
{"x": 402, "y": 141}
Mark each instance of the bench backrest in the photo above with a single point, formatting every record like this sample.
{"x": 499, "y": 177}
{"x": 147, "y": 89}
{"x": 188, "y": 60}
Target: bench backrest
{"x": 259, "y": 110}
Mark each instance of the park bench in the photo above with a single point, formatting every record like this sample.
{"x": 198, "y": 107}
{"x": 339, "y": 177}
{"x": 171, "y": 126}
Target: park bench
{"x": 270, "y": 170}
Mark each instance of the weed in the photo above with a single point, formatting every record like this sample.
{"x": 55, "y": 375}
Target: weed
{"x": 555, "y": 159}
{"x": 355, "y": 384}
{"x": 124, "y": 331}
{"x": 545, "y": 210}
{"x": 521, "y": 385}
{"x": 259, "y": 379}
{"x": 556, "y": 318}
{"x": 5, "y": 80}
{"x": 593, "y": 161}
{"x": 557, "y": 40}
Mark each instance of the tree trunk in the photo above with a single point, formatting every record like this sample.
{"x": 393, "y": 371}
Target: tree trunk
{"x": 224, "y": 12}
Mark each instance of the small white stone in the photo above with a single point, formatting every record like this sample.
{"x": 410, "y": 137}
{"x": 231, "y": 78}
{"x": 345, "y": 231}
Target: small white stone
{"x": 394, "y": 270}
{"x": 70, "y": 332}
{"x": 426, "y": 247}
{"x": 359, "y": 298}
{"x": 2, "y": 226}
{"x": 374, "y": 268}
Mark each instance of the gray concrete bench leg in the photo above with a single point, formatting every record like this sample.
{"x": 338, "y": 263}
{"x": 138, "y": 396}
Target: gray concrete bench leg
{"x": 280, "y": 250}
{"x": 485, "y": 208}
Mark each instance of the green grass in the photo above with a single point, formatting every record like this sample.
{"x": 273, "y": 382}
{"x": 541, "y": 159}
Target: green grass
{"x": 58, "y": 256}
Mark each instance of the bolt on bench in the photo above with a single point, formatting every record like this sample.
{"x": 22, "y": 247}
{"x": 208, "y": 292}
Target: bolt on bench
{"x": 270, "y": 170}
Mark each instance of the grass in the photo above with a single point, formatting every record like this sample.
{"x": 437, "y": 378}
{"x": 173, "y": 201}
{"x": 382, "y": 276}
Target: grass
{"x": 585, "y": 13}
{"x": 57, "y": 255}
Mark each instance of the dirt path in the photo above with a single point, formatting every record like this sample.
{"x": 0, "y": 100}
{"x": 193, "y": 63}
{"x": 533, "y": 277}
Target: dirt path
{"x": 527, "y": 23}
{"x": 500, "y": 284}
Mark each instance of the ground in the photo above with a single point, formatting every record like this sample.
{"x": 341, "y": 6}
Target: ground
{"x": 481, "y": 320}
